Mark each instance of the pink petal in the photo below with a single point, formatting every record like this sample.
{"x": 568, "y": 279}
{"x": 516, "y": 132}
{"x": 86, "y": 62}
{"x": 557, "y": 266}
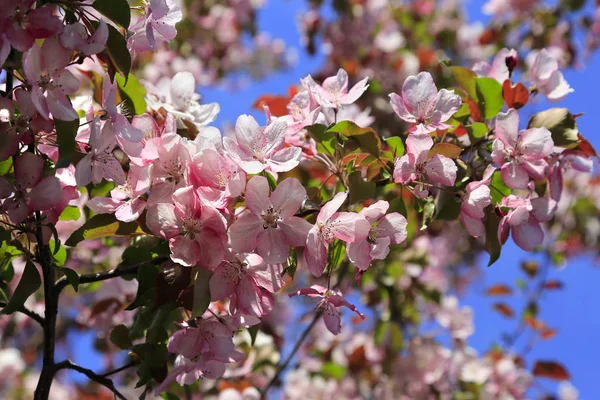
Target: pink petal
{"x": 473, "y": 225}
{"x": 295, "y": 230}
{"x": 315, "y": 252}
{"x": 273, "y": 246}
{"x": 507, "y": 127}
{"x": 184, "y": 251}
{"x": 400, "y": 109}
{"x": 375, "y": 211}
{"x": 257, "y": 195}
{"x": 268, "y": 276}
{"x": 331, "y": 207}
{"x": 355, "y": 93}
{"x": 528, "y": 235}
{"x": 28, "y": 169}
{"x": 543, "y": 208}
{"x": 46, "y": 194}
{"x": 514, "y": 176}
{"x": 404, "y": 169}
{"x": 441, "y": 169}
{"x": 359, "y": 254}
{"x": 446, "y": 105}
{"x": 393, "y": 226}
{"x": 244, "y": 233}
{"x": 288, "y": 197}
{"x": 419, "y": 94}
{"x": 223, "y": 281}
{"x": 418, "y": 145}
{"x": 249, "y": 298}
{"x": 103, "y": 205}
{"x": 211, "y": 248}
{"x": 536, "y": 143}
{"x": 285, "y": 159}
{"x": 331, "y": 317}
{"x": 161, "y": 220}
{"x": 349, "y": 227}
{"x": 130, "y": 210}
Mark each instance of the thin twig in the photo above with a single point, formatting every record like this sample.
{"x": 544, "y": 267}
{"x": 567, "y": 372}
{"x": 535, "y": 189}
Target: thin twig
{"x": 302, "y": 337}
{"x": 30, "y": 313}
{"x": 120, "y": 369}
{"x": 102, "y": 380}
{"x": 113, "y": 273}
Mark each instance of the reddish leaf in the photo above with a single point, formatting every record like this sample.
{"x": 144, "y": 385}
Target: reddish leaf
{"x": 551, "y": 370}
{"x": 498, "y": 290}
{"x": 548, "y": 334}
{"x": 488, "y": 36}
{"x": 531, "y": 268}
{"x": 460, "y": 131}
{"x": 475, "y": 111}
{"x": 277, "y": 104}
{"x": 585, "y": 147}
{"x": 535, "y": 323}
{"x": 553, "y": 285}
{"x": 446, "y": 149}
{"x": 504, "y": 309}
{"x": 515, "y": 96}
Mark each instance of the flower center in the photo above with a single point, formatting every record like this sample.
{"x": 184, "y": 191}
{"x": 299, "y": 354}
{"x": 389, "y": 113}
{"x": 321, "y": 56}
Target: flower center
{"x": 270, "y": 218}
{"x": 191, "y": 227}
{"x": 174, "y": 167}
{"x": 45, "y": 82}
{"x": 372, "y": 238}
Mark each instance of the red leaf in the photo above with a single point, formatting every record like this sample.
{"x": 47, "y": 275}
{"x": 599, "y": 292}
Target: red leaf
{"x": 277, "y": 104}
{"x": 446, "y": 149}
{"x": 515, "y": 96}
{"x": 535, "y": 323}
{"x": 504, "y": 309}
{"x": 551, "y": 285}
{"x": 498, "y": 290}
{"x": 460, "y": 131}
{"x": 585, "y": 147}
{"x": 548, "y": 334}
{"x": 551, "y": 370}
{"x": 475, "y": 111}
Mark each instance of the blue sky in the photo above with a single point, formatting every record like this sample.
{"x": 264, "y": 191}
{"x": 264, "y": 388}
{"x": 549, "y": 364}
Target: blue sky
{"x": 572, "y": 310}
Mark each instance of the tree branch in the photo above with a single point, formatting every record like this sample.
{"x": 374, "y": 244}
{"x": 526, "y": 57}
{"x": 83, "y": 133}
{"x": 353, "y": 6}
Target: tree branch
{"x": 31, "y": 314}
{"x": 102, "y": 380}
{"x": 120, "y": 369}
{"x": 302, "y": 337}
{"x": 113, "y": 273}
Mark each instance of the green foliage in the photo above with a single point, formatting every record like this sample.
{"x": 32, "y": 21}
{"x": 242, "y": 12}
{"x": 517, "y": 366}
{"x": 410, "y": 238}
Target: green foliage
{"x": 336, "y": 254}
{"x": 116, "y": 10}
{"x": 253, "y": 331}
{"x": 325, "y": 140}
{"x": 201, "y": 292}
{"x": 397, "y": 205}
{"x": 6, "y": 166}
{"x": 396, "y": 146}
{"x": 465, "y": 78}
{"x": 65, "y": 135}
{"x": 360, "y": 189}
{"x": 60, "y": 256}
{"x": 119, "y": 336}
{"x": 333, "y": 370}
{"x": 356, "y": 137}
{"x": 29, "y": 283}
{"x": 72, "y": 277}
{"x": 477, "y": 130}
{"x": 133, "y": 93}
{"x": 116, "y": 46}
{"x": 498, "y": 189}
{"x": 70, "y": 213}
{"x": 102, "y": 225}
{"x": 146, "y": 276}
{"x": 448, "y": 206}
{"x": 489, "y": 92}
{"x": 492, "y": 243}
{"x": 561, "y": 123}
{"x": 428, "y": 212}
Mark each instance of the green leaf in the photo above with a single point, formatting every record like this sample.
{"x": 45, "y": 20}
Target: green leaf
{"x": 116, "y": 10}
{"x": 72, "y": 277}
{"x": 70, "y": 213}
{"x": 396, "y": 146}
{"x": 448, "y": 207}
{"x": 147, "y": 276}
{"x": 29, "y": 283}
{"x": 119, "y": 336}
{"x": 102, "y": 225}
{"x": 102, "y": 189}
{"x": 65, "y": 135}
{"x": 465, "y": 78}
{"x": 446, "y": 149}
{"x": 201, "y": 292}
{"x": 325, "y": 140}
{"x": 133, "y": 93}
{"x": 337, "y": 253}
{"x": 116, "y": 45}
{"x": 253, "y": 330}
{"x": 561, "y": 124}
{"x": 428, "y": 212}
{"x": 498, "y": 189}
{"x": 397, "y": 205}
{"x": 462, "y": 112}
{"x": 364, "y": 138}
{"x": 6, "y": 166}
{"x": 492, "y": 243}
{"x": 60, "y": 256}
{"x": 490, "y": 96}
{"x": 360, "y": 189}
{"x": 271, "y": 179}
{"x": 333, "y": 370}
{"x": 477, "y": 130}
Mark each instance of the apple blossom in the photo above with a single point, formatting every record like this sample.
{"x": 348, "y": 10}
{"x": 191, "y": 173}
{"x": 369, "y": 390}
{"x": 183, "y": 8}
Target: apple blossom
{"x": 547, "y": 78}
{"x": 76, "y": 37}
{"x": 51, "y": 82}
{"x": 502, "y": 66}
{"x": 256, "y": 149}
{"x": 423, "y": 106}
{"x": 334, "y": 91}
{"x": 270, "y": 226}
{"x": 521, "y": 154}
{"x": 332, "y": 225}
{"x": 475, "y": 200}
{"x": 157, "y": 26}
{"x": 196, "y": 232}
{"x": 417, "y": 165}
{"x": 385, "y": 230}
{"x": 330, "y": 301}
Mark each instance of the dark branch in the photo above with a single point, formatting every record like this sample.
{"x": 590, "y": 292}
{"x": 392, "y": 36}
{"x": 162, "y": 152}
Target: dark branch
{"x": 120, "y": 369}
{"x": 113, "y": 273}
{"x": 102, "y": 380}
{"x": 31, "y": 314}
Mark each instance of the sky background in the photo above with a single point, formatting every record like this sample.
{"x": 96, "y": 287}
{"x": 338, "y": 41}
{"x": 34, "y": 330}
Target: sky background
{"x": 573, "y": 311}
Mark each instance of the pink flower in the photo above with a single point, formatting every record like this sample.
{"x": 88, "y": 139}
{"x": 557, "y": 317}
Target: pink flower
{"x": 330, "y": 300}
{"x": 459, "y": 321}
{"x": 566, "y": 160}
{"x": 524, "y": 218}
{"x": 332, "y": 225}
{"x": 21, "y": 25}
{"x": 502, "y": 66}
{"x": 422, "y": 105}
{"x": 475, "y": 200}
{"x": 547, "y": 78}
{"x": 51, "y": 82}
{"x": 250, "y": 280}
{"x": 31, "y": 191}
{"x": 256, "y": 149}
{"x": 157, "y": 26}
{"x": 210, "y": 339}
{"x": 196, "y": 232}
{"x": 334, "y": 91}
{"x": 125, "y": 201}
{"x": 270, "y": 226}
{"x": 416, "y": 165}
{"x": 524, "y": 153}
{"x": 129, "y": 137}
{"x": 100, "y": 162}
{"x": 76, "y": 37}
{"x": 385, "y": 230}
